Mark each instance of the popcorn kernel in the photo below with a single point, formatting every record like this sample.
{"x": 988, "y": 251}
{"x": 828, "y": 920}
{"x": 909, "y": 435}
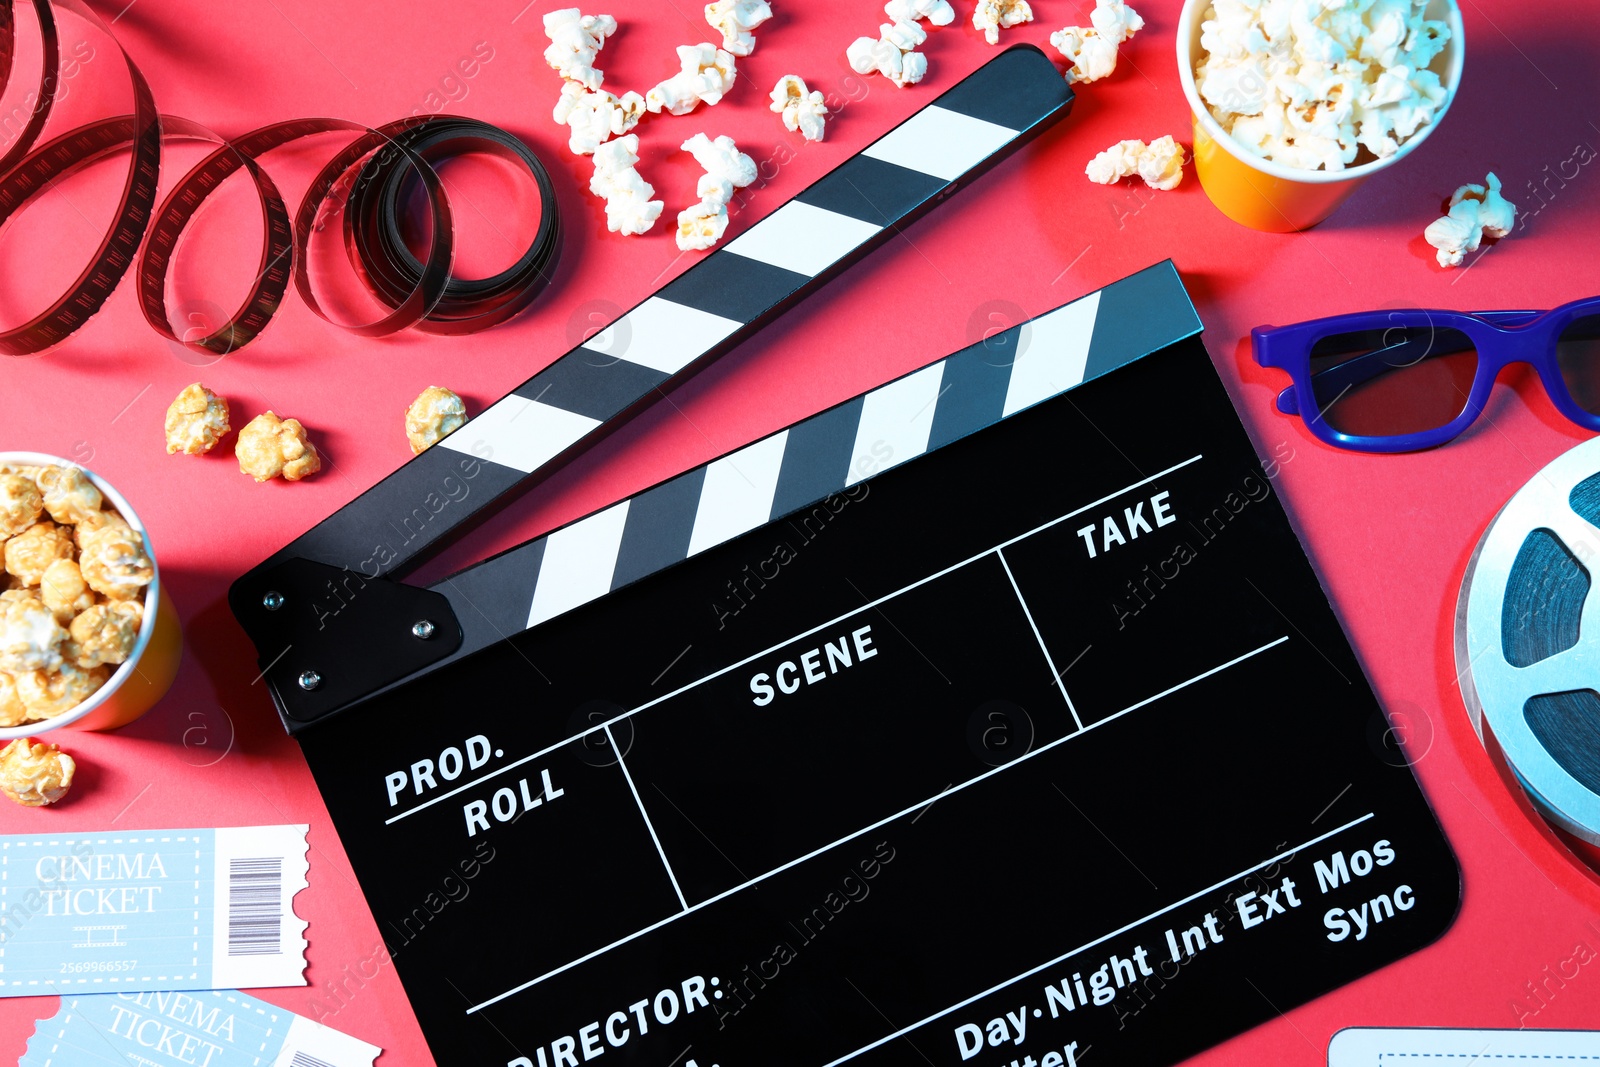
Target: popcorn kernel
{"x": 196, "y": 420}
{"x": 269, "y": 447}
{"x": 35, "y": 774}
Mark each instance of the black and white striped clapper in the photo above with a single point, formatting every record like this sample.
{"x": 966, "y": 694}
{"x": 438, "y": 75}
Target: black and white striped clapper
{"x": 255, "y": 906}
{"x": 703, "y": 313}
{"x": 800, "y": 466}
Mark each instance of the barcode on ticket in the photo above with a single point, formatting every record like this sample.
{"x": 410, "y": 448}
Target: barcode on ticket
{"x": 167, "y": 910}
{"x": 255, "y": 906}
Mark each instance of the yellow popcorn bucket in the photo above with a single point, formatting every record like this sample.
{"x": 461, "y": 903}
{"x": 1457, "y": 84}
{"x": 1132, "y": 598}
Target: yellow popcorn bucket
{"x": 1264, "y": 195}
{"x": 138, "y": 684}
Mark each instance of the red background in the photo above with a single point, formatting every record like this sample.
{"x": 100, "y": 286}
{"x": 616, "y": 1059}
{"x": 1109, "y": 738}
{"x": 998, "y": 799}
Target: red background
{"x": 1389, "y": 535}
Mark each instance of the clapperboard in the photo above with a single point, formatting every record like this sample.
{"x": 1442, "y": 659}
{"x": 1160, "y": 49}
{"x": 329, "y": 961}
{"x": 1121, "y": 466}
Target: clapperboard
{"x": 994, "y": 716}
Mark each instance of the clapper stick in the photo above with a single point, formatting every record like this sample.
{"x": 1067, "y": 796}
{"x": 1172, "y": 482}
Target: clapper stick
{"x": 819, "y": 458}
{"x": 331, "y": 592}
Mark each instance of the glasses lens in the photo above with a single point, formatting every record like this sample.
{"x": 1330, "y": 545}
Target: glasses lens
{"x": 1578, "y": 353}
{"x": 1394, "y": 381}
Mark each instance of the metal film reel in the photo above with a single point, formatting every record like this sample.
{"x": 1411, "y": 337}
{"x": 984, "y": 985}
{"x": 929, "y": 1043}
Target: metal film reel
{"x": 1528, "y": 638}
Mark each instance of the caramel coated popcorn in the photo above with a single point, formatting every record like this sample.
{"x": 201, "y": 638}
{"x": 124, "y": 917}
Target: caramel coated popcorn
{"x": 106, "y": 633}
{"x": 21, "y": 504}
{"x": 29, "y": 554}
{"x": 69, "y": 495}
{"x": 73, "y": 600}
{"x": 94, "y": 524}
{"x": 33, "y": 773}
{"x": 47, "y": 694}
{"x": 13, "y": 712}
{"x": 196, "y": 421}
{"x": 115, "y": 564}
{"x": 30, "y": 637}
{"x": 435, "y": 413}
{"x": 270, "y": 447}
{"x": 64, "y": 591}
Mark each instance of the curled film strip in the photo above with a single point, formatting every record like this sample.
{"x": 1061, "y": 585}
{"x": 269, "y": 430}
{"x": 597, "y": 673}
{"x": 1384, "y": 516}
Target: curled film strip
{"x": 373, "y": 176}
{"x": 1528, "y": 640}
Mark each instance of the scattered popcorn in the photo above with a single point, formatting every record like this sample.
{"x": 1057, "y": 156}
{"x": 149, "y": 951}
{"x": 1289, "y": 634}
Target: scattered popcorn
{"x": 1455, "y": 234}
{"x": 31, "y": 552}
{"x": 706, "y": 73}
{"x": 1314, "y": 85}
{"x": 734, "y": 19}
{"x": 894, "y": 53}
{"x": 629, "y": 209}
{"x": 726, "y": 169}
{"x": 906, "y": 36}
{"x": 196, "y": 421}
{"x": 435, "y": 413}
{"x": 596, "y": 116}
{"x": 1115, "y": 20}
{"x": 269, "y": 446}
{"x": 803, "y": 110}
{"x": 13, "y": 712}
{"x": 21, "y": 504}
{"x": 1476, "y": 211}
{"x": 114, "y": 563}
{"x": 1159, "y": 163}
{"x": 30, "y": 637}
{"x": 69, "y": 495}
{"x": 64, "y": 591}
{"x": 1092, "y": 50}
{"x": 33, "y": 773}
{"x": 701, "y": 225}
{"x": 992, "y": 16}
{"x": 1497, "y": 214}
{"x": 1115, "y": 163}
{"x": 937, "y": 12}
{"x": 901, "y": 67}
{"x": 106, "y": 633}
{"x": 1092, "y": 56}
{"x": 575, "y": 41}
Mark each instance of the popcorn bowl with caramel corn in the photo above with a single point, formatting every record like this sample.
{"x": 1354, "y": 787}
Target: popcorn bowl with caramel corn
{"x": 1268, "y": 193}
{"x": 88, "y": 636}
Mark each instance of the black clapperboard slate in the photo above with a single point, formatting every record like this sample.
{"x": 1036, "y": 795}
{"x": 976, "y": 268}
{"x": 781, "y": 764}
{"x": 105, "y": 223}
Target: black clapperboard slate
{"x": 995, "y": 716}
{"x": 1028, "y": 771}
